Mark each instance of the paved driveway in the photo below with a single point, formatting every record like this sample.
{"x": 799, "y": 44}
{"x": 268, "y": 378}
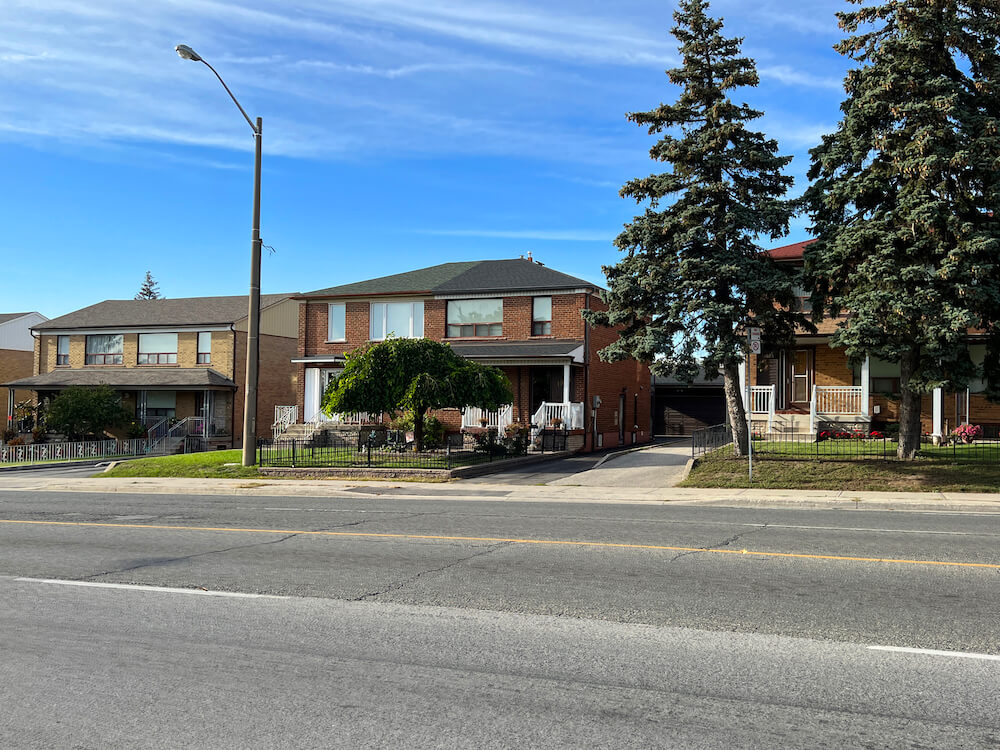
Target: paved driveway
{"x": 659, "y": 466}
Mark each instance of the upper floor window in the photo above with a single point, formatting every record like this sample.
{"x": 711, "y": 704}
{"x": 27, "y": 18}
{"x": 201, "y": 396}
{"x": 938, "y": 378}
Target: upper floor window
{"x": 475, "y": 317}
{"x": 400, "y": 319}
{"x": 62, "y": 350}
{"x": 157, "y": 348}
{"x": 541, "y": 316}
{"x": 337, "y": 322}
{"x": 204, "y": 348}
{"x": 104, "y": 349}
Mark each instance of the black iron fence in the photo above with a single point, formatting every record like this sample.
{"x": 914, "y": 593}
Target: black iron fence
{"x": 846, "y": 446}
{"x": 708, "y": 439}
{"x": 388, "y": 449}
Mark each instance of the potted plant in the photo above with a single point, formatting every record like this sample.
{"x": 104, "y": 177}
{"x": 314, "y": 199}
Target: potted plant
{"x": 484, "y": 421}
{"x": 557, "y": 422}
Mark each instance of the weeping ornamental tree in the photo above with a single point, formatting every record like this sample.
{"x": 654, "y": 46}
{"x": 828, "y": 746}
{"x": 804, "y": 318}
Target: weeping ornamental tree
{"x": 414, "y": 375}
{"x": 693, "y": 277}
{"x": 904, "y": 194}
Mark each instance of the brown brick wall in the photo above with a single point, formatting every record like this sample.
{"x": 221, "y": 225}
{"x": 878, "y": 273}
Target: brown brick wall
{"x": 276, "y": 382}
{"x": 609, "y": 381}
{"x": 14, "y": 364}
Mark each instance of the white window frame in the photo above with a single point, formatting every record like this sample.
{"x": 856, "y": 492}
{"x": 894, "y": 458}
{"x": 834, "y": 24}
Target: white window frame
{"x": 198, "y": 354}
{"x": 342, "y": 307}
{"x": 381, "y": 335}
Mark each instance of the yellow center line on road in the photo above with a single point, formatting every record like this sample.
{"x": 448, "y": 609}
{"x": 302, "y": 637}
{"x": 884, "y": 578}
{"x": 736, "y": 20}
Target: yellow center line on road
{"x": 509, "y": 540}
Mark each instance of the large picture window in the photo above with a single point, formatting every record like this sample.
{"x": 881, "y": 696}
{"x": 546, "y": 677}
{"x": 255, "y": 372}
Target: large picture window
{"x": 475, "y": 317}
{"x": 404, "y": 320}
{"x": 157, "y": 348}
{"x": 541, "y": 316}
{"x": 337, "y": 327}
{"x": 104, "y": 349}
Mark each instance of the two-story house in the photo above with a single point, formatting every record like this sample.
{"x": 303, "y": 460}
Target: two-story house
{"x": 16, "y": 346}
{"x": 812, "y": 384}
{"x": 171, "y": 359}
{"x": 517, "y": 315}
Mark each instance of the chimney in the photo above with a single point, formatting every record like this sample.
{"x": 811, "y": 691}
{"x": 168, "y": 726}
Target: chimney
{"x": 529, "y": 255}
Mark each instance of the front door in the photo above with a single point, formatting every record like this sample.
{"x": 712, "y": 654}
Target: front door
{"x": 801, "y": 376}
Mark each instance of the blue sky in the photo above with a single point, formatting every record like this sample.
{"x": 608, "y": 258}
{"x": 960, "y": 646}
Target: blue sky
{"x": 397, "y": 134}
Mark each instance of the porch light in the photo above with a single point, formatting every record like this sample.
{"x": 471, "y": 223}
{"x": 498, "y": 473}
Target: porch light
{"x": 187, "y": 53}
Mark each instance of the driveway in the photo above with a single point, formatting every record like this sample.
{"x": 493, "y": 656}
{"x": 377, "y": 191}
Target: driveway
{"x": 658, "y": 466}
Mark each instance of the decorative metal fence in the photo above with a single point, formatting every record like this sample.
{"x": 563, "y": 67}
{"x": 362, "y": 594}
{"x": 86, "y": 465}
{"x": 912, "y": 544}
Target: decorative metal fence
{"x": 389, "y": 449}
{"x": 93, "y": 449}
{"x": 708, "y": 439}
{"x": 849, "y": 446}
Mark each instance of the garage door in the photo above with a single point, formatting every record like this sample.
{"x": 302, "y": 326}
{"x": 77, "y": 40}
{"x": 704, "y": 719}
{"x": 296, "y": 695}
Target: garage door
{"x": 680, "y": 413}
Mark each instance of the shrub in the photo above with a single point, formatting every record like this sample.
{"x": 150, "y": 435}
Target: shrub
{"x": 968, "y": 432}
{"x": 433, "y": 429}
{"x": 9, "y": 435}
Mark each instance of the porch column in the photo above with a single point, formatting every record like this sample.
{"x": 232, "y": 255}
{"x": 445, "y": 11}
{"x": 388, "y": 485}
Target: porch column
{"x": 140, "y": 398}
{"x": 565, "y": 397}
{"x": 938, "y": 413}
{"x": 10, "y": 408}
{"x": 866, "y": 383}
{"x": 743, "y": 383}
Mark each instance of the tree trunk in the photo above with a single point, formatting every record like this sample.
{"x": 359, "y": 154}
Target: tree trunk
{"x": 418, "y": 429}
{"x": 909, "y": 409}
{"x": 734, "y": 407}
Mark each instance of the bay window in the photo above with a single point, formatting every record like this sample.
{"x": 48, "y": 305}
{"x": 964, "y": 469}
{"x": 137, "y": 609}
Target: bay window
{"x": 157, "y": 348}
{"x": 104, "y": 349}
{"x": 475, "y": 318}
{"x": 403, "y": 320}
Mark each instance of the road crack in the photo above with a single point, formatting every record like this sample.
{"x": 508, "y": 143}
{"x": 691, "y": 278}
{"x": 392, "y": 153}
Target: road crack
{"x": 719, "y": 545}
{"x": 395, "y": 586}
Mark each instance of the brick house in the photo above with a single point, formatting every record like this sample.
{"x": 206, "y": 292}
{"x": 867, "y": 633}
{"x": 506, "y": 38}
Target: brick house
{"x": 517, "y": 315}
{"x": 171, "y": 359}
{"x": 811, "y": 384}
{"x": 16, "y": 359}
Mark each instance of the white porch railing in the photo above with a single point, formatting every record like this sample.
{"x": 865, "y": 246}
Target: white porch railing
{"x": 570, "y": 415}
{"x": 283, "y": 417}
{"x": 837, "y": 399}
{"x": 763, "y": 399}
{"x": 495, "y": 420}
{"x": 39, "y": 452}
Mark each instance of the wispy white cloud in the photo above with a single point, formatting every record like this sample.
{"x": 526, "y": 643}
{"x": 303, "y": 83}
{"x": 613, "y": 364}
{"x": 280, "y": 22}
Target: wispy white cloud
{"x": 548, "y": 235}
{"x": 788, "y": 75}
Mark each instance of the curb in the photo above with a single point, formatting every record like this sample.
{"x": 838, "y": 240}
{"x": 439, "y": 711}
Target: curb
{"x": 59, "y": 465}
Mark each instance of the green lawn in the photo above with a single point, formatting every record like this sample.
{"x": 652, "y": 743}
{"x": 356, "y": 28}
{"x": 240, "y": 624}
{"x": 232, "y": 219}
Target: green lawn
{"x": 209, "y": 464}
{"x": 934, "y": 471}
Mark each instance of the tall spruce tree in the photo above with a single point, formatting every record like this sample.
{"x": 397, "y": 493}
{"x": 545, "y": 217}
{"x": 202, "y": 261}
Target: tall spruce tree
{"x": 904, "y": 194}
{"x": 149, "y": 289}
{"x": 694, "y": 276}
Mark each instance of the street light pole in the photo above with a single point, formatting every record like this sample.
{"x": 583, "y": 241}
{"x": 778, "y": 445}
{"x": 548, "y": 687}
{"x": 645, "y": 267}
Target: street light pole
{"x": 253, "y": 315}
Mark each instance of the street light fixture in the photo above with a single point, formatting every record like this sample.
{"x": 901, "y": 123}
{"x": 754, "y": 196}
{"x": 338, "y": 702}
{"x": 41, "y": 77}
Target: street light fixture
{"x": 253, "y": 322}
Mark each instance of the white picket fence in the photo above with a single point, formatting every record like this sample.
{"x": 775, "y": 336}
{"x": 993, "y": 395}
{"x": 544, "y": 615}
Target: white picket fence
{"x": 91, "y": 449}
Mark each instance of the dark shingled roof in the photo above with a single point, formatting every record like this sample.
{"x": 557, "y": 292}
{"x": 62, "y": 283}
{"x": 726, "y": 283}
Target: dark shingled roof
{"x": 516, "y": 349}
{"x": 184, "y": 311}
{"x": 127, "y": 377}
{"x": 471, "y": 277}
{"x": 4, "y": 317}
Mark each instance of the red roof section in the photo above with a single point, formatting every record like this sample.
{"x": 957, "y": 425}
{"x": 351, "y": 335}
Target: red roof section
{"x": 789, "y": 252}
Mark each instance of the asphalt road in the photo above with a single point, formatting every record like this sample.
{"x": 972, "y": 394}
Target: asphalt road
{"x": 443, "y": 623}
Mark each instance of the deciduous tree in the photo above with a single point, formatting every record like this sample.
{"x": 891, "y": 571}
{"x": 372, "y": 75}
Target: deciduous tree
{"x": 413, "y": 375}
{"x": 85, "y": 411}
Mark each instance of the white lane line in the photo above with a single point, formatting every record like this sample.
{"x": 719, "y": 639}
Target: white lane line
{"x": 158, "y": 589}
{"x": 934, "y": 652}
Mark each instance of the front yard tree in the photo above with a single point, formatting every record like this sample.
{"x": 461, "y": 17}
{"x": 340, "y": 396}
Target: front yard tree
{"x": 694, "y": 276}
{"x": 414, "y": 375}
{"x": 85, "y": 411}
{"x": 904, "y": 194}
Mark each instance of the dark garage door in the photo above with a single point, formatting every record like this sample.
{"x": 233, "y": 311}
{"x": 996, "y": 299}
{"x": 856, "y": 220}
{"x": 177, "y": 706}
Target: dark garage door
{"x": 681, "y": 411}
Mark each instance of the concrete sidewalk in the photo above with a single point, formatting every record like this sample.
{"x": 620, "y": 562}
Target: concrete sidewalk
{"x": 343, "y": 489}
